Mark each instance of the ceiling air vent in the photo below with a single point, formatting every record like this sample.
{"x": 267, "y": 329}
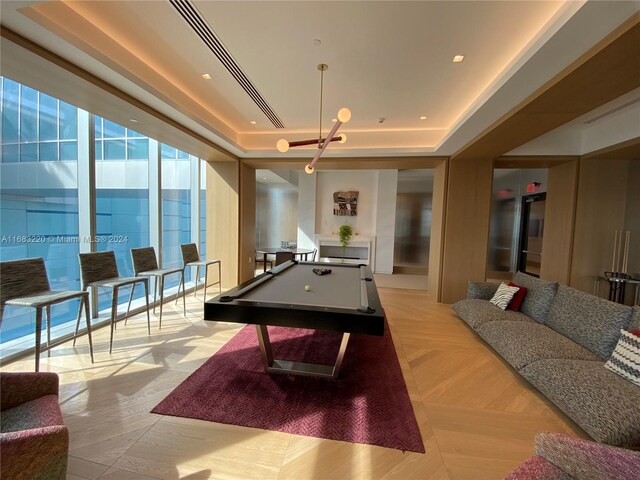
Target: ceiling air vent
{"x": 191, "y": 15}
{"x": 613, "y": 110}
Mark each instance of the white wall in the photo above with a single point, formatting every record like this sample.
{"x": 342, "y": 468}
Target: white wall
{"x": 306, "y": 209}
{"x": 386, "y": 220}
{"x": 363, "y": 181}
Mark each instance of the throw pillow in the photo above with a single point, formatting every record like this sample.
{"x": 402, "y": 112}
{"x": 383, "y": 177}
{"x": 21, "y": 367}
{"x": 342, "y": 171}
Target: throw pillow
{"x": 518, "y": 298}
{"x": 503, "y": 295}
{"x": 625, "y": 359}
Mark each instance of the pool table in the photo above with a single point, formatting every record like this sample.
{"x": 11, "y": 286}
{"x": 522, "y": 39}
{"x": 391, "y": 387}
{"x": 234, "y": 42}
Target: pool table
{"x": 345, "y": 300}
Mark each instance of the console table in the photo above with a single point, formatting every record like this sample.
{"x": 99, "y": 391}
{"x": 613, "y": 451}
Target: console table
{"x": 360, "y": 250}
{"x": 617, "y": 288}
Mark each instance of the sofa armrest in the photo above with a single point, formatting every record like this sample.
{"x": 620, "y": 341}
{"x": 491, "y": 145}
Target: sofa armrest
{"x": 17, "y": 388}
{"x": 481, "y": 290}
{"x": 33, "y": 453}
{"x": 583, "y": 459}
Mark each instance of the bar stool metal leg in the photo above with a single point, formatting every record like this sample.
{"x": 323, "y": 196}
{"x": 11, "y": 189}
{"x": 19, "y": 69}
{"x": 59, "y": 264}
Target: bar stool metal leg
{"x": 206, "y": 280}
{"x": 85, "y": 301}
{"x": 114, "y": 314}
{"x": 184, "y": 303}
{"x": 48, "y": 330}
{"x": 146, "y": 296}
{"x": 195, "y": 290}
{"x": 161, "y": 298}
{"x": 38, "y": 333}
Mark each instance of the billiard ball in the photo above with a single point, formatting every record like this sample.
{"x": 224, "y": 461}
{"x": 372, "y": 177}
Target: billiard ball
{"x": 307, "y": 288}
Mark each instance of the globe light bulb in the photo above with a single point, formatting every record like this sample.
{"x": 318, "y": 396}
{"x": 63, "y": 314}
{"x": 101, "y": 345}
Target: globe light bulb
{"x": 282, "y": 145}
{"x": 343, "y": 138}
{"x": 309, "y": 169}
{"x": 344, "y": 115}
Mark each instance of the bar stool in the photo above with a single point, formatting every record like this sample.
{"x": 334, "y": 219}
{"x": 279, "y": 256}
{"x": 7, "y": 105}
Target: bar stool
{"x": 191, "y": 258}
{"x": 145, "y": 264}
{"x": 100, "y": 270}
{"x": 24, "y": 283}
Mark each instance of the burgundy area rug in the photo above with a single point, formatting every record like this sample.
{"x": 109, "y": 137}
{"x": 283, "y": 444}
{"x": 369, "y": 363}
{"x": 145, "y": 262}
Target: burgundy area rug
{"x": 368, "y": 403}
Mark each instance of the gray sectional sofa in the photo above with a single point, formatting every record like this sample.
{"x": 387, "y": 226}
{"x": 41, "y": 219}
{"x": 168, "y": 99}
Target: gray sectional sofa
{"x": 559, "y": 341}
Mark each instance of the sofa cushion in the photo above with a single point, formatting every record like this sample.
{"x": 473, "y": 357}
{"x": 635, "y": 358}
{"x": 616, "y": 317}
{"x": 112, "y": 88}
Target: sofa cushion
{"x": 625, "y": 359}
{"x": 518, "y": 298}
{"x": 635, "y": 319}
{"x": 537, "y": 468}
{"x": 503, "y": 296}
{"x": 523, "y": 343}
{"x": 38, "y": 413}
{"x": 604, "y": 404}
{"x": 539, "y": 296}
{"x": 584, "y": 459}
{"x": 588, "y": 320}
{"x": 481, "y": 290}
{"x": 478, "y": 312}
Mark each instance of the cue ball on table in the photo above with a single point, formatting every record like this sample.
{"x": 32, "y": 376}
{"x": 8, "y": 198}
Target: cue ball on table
{"x": 307, "y": 288}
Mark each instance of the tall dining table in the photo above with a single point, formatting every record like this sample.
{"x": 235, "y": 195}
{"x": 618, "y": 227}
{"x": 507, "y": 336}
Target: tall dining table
{"x": 302, "y": 253}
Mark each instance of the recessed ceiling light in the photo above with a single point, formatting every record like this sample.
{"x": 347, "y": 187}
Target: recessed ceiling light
{"x": 252, "y": 122}
{"x": 133, "y": 120}
{"x": 206, "y": 76}
{"x": 317, "y": 42}
{"x": 334, "y": 120}
{"x": 264, "y": 178}
{"x": 458, "y": 58}
{"x": 423, "y": 117}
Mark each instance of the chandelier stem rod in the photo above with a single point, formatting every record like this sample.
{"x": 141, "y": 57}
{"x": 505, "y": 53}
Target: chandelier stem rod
{"x": 320, "y": 124}
{"x": 328, "y": 140}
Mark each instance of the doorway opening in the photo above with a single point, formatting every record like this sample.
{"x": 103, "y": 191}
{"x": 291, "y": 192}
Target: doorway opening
{"x": 413, "y": 222}
{"x": 531, "y": 232}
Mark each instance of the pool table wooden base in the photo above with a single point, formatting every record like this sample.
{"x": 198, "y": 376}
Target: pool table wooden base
{"x": 272, "y": 365}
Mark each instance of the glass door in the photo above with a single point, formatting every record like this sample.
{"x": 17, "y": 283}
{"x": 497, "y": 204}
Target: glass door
{"x": 531, "y": 232}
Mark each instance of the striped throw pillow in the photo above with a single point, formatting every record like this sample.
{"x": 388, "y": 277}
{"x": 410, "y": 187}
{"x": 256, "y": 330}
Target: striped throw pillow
{"x": 625, "y": 359}
{"x": 503, "y": 295}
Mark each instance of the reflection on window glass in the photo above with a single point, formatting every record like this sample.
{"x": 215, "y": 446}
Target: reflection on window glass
{"x": 68, "y": 121}
{"x": 10, "y": 98}
{"x": 203, "y": 208}
{"x": 49, "y": 152}
{"x": 176, "y": 209}
{"x": 29, "y": 152}
{"x": 48, "y": 118}
{"x": 115, "y": 142}
{"x": 36, "y": 221}
{"x": 28, "y": 115}
{"x": 122, "y": 205}
{"x": 114, "y": 150}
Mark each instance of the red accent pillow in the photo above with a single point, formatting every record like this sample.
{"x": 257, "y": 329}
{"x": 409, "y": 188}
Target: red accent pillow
{"x": 636, "y": 332}
{"x": 518, "y": 298}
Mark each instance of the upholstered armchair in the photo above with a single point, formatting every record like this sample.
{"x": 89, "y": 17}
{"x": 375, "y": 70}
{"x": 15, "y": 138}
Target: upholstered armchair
{"x": 563, "y": 457}
{"x": 34, "y": 443}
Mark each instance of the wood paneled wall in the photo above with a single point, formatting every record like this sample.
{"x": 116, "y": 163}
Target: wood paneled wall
{"x": 223, "y": 202}
{"x": 600, "y": 210}
{"x": 466, "y": 234}
{"x": 246, "y": 264}
{"x": 438, "y": 209}
{"x": 559, "y": 219}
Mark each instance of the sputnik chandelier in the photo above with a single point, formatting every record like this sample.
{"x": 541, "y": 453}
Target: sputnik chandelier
{"x": 344, "y": 115}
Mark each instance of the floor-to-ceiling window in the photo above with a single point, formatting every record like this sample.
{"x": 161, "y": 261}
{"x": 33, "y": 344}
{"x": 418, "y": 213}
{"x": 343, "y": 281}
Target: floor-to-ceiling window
{"x": 38, "y": 196}
{"x": 122, "y": 196}
{"x": 203, "y": 208}
{"x": 44, "y": 169}
{"x": 176, "y": 208}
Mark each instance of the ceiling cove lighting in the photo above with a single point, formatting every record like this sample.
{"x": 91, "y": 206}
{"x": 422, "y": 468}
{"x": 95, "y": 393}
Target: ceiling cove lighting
{"x": 344, "y": 115}
{"x": 458, "y": 58}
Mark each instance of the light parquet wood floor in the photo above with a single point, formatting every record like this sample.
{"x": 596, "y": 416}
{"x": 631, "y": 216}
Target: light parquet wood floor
{"x": 478, "y": 418}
